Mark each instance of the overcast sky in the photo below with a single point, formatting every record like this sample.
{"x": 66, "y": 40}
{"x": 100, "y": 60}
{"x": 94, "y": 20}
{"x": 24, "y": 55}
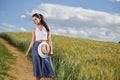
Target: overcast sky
{"x": 91, "y": 19}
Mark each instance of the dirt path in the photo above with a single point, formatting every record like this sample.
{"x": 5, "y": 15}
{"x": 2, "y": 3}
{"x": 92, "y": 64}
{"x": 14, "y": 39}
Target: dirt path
{"x": 22, "y": 68}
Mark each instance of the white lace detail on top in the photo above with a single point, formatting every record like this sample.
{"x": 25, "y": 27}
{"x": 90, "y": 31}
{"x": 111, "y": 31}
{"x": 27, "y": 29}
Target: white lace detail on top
{"x": 41, "y": 35}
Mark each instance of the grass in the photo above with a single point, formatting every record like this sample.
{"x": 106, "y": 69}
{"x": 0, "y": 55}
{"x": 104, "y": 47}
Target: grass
{"x": 76, "y": 58}
{"x": 6, "y": 58}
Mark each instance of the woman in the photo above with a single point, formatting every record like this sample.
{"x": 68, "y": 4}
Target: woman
{"x": 42, "y": 67}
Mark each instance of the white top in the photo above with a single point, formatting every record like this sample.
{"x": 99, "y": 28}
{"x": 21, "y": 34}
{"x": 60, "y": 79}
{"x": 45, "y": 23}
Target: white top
{"x": 41, "y": 35}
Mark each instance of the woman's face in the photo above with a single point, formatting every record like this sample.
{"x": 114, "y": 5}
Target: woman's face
{"x": 36, "y": 20}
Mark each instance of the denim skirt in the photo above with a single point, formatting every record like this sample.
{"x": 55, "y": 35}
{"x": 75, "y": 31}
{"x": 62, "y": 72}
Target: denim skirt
{"x": 42, "y": 67}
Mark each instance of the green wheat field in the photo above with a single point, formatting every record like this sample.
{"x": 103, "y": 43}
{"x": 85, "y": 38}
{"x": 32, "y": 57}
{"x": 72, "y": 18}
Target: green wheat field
{"x": 75, "y": 58}
{"x": 6, "y": 58}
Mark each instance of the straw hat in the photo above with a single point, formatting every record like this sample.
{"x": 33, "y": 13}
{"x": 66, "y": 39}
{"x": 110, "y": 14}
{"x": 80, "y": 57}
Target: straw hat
{"x": 43, "y": 49}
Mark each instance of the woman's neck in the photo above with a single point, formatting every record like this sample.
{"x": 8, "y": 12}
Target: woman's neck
{"x": 40, "y": 25}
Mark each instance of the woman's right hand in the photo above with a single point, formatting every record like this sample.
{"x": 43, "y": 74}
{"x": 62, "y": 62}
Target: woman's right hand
{"x": 26, "y": 55}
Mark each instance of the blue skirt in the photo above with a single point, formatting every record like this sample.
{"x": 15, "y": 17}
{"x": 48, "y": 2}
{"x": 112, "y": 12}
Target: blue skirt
{"x": 42, "y": 67}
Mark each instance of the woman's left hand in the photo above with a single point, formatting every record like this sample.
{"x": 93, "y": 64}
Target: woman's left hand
{"x": 51, "y": 53}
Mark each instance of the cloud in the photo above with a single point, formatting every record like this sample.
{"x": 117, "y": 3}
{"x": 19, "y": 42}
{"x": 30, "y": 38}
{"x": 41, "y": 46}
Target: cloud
{"x": 22, "y": 29}
{"x": 23, "y": 16}
{"x": 115, "y": 0}
{"x": 80, "y": 22}
{"x": 5, "y": 27}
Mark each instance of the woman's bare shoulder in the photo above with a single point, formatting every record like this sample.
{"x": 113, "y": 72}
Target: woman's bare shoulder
{"x": 49, "y": 28}
{"x": 33, "y": 30}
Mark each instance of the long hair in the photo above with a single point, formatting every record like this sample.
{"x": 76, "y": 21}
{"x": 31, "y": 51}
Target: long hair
{"x": 42, "y": 20}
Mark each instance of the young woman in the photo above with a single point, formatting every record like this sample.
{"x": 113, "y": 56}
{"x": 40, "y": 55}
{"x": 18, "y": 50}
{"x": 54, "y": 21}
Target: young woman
{"x": 42, "y": 67}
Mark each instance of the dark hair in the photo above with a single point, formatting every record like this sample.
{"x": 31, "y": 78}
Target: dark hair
{"x": 42, "y": 20}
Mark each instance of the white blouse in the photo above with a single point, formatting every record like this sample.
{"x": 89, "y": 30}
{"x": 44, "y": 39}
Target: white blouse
{"x": 41, "y": 35}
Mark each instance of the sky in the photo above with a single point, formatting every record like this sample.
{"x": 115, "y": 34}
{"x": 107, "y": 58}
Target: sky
{"x": 90, "y": 19}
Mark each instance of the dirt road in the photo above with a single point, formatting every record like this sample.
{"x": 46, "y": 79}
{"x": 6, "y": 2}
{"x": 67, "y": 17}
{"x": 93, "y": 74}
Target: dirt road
{"x": 22, "y": 68}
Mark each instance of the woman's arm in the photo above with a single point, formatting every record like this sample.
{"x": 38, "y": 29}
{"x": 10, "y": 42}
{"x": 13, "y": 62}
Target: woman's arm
{"x": 31, "y": 43}
{"x": 50, "y": 41}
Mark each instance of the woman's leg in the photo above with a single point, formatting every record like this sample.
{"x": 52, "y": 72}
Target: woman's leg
{"x": 38, "y": 78}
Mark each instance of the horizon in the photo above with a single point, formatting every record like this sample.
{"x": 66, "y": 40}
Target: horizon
{"x": 64, "y": 36}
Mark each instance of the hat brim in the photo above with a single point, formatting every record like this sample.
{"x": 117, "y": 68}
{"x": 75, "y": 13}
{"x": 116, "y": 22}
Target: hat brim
{"x": 40, "y": 51}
